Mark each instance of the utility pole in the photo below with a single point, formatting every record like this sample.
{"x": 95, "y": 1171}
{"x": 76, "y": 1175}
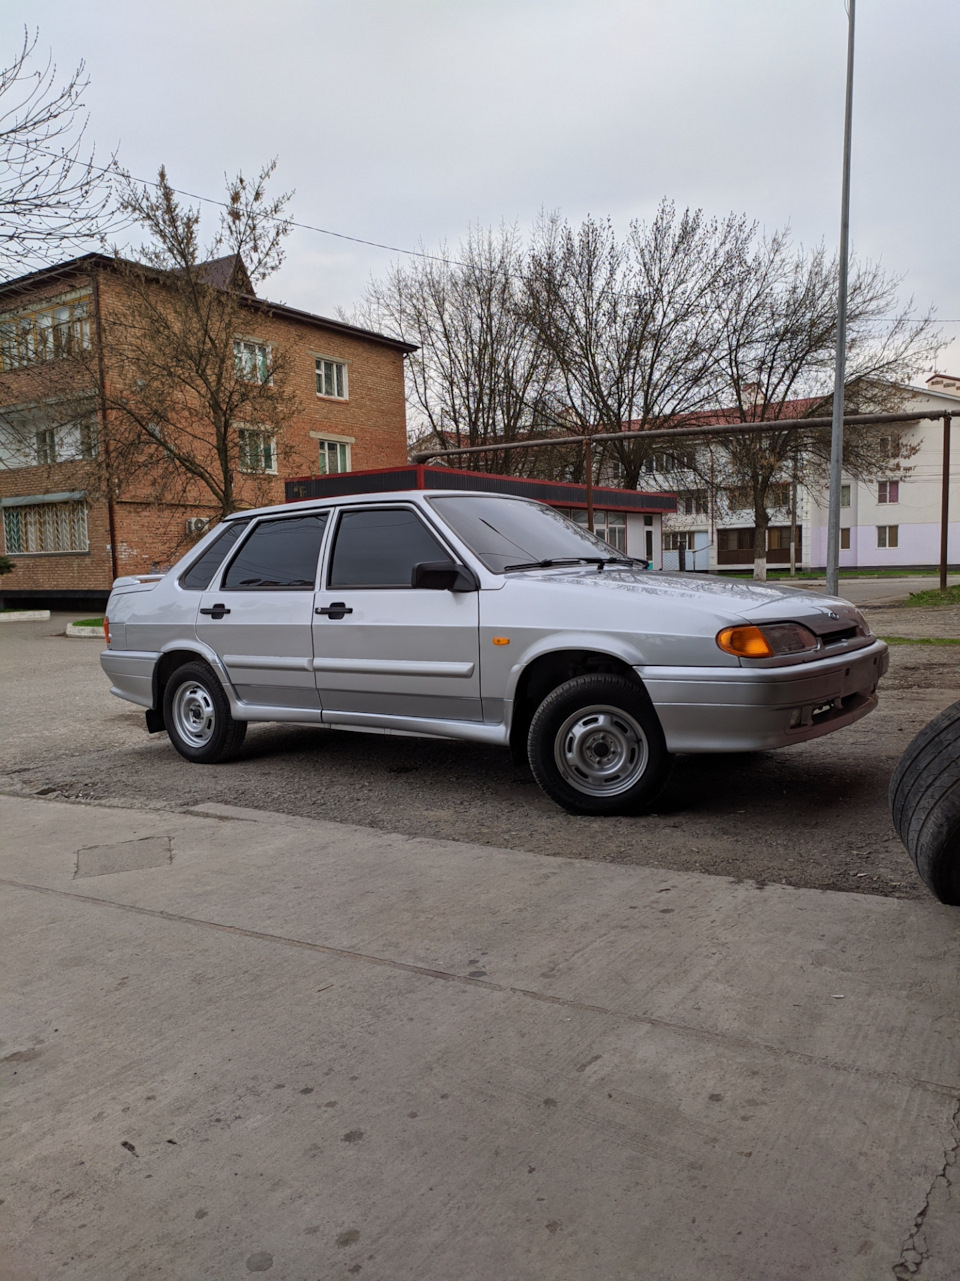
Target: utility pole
{"x": 836, "y": 437}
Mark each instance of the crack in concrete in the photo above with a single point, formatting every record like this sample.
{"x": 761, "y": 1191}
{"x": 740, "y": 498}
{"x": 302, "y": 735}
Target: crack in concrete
{"x": 915, "y": 1250}
{"x": 423, "y": 971}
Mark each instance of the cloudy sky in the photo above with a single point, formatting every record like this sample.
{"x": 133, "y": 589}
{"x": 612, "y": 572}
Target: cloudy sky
{"x": 405, "y": 121}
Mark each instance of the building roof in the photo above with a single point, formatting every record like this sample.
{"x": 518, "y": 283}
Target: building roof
{"x": 222, "y": 273}
{"x": 423, "y": 476}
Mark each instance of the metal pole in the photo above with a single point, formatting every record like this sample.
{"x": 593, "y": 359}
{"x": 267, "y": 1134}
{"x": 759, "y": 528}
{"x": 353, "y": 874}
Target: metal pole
{"x": 588, "y": 465}
{"x": 683, "y": 433}
{"x": 945, "y": 503}
{"x": 836, "y": 440}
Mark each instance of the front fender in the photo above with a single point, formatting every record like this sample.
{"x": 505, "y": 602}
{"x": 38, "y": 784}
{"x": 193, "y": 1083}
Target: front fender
{"x": 596, "y": 642}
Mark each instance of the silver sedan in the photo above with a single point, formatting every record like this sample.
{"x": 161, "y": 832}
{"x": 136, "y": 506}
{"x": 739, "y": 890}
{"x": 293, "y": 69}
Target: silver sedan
{"x": 487, "y": 618}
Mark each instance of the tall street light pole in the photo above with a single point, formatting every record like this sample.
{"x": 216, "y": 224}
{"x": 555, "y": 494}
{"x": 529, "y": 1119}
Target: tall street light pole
{"x": 836, "y": 438}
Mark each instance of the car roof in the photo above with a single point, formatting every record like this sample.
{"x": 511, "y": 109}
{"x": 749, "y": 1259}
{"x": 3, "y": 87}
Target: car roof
{"x": 392, "y": 496}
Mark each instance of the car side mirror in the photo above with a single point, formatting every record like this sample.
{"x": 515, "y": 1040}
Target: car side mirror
{"x": 444, "y": 576}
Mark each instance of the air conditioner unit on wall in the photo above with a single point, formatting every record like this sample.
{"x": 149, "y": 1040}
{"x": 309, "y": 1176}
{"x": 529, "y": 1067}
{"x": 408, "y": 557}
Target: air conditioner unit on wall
{"x": 197, "y": 525}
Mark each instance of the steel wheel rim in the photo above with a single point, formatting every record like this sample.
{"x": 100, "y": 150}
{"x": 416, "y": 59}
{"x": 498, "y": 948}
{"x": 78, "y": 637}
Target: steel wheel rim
{"x": 601, "y": 751}
{"x": 194, "y": 714}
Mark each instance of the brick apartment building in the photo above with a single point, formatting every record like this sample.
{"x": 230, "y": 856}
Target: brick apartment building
{"x": 70, "y": 523}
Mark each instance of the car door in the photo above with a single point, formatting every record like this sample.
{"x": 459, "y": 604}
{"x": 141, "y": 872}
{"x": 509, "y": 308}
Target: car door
{"x": 259, "y": 619}
{"x": 385, "y": 648}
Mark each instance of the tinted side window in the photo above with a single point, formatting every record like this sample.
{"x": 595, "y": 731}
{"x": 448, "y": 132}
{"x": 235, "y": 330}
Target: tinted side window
{"x": 198, "y": 576}
{"x": 380, "y": 548}
{"x": 279, "y": 553}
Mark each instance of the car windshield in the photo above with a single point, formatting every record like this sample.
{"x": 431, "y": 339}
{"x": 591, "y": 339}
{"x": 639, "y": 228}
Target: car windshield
{"x": 513, "y": 533}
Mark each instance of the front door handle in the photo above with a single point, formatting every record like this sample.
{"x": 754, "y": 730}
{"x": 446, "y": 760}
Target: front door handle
{"x": 336, "y": 610}
{"x": 216, "y": 611}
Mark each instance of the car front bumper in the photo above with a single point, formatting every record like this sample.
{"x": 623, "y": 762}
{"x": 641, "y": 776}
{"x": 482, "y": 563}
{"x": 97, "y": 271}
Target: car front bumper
{"x": 738, "y": 709}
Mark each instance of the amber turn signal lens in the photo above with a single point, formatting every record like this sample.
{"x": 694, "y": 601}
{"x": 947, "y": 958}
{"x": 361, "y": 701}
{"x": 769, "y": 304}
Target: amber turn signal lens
{"x": 106, "y": 629}
{"x": 501, "y": 640}
{"x": 745, "y": 642}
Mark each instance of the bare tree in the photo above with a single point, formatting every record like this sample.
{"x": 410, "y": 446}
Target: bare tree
{"x": 776, "y": 336}
{"x": 628, "y": 321}
{"x": 195, "y": 411}
{"x": 480, "y": 374}
{"x": 53, "y": 196}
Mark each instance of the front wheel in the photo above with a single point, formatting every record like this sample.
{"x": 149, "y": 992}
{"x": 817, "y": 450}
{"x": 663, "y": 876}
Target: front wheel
{"x": 596, "y": 747}
{"x": 197, "y": 716}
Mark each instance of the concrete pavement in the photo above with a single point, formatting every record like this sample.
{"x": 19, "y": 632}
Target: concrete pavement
{"x": 238, "y": 1042}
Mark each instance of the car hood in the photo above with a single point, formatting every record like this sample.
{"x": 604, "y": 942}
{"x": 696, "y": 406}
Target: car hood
{"x": 720, "y": 596}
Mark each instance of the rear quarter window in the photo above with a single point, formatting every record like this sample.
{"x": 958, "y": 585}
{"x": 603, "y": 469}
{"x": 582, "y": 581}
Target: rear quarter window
{"x": 200, "y": 574}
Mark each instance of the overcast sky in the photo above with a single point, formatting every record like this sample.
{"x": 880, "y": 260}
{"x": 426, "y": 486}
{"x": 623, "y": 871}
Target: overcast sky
{"x": 404, "y": 121}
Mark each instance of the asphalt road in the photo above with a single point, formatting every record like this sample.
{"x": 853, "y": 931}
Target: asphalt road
{"x": 814, "y": 815}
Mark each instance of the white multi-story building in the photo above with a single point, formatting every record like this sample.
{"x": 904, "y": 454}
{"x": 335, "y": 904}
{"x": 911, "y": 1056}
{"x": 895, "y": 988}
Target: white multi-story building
{"x": 889, "y": 522}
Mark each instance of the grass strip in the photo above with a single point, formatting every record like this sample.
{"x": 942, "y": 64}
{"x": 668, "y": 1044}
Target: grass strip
{"x": 921, "y": 640}
{"x": 936, "y": 597}
{"x": 88, "y": 622}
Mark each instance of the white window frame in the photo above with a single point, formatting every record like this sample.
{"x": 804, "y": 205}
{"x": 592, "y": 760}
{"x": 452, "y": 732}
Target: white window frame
{"x": 883, "y": 537}
{"x": 247, "y": 435}
{"x": 343, "y": 445}
{"x": 845, "y": 494}
{"x": 240, "y": 344}
{"x": 883, "y": 492}
{"x": 337, "y": 363}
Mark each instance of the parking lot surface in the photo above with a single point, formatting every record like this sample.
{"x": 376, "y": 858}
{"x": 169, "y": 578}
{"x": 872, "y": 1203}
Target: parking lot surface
{"x": 814, "y": 815}
{"x": 239, "y": 1042}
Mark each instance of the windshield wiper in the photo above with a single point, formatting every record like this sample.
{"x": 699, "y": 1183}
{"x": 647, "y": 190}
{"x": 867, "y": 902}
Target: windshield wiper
{"x": 560, "y": 560}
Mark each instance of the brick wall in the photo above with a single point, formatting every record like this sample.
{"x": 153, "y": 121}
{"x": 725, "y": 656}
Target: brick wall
{"x": 151, "y": 530}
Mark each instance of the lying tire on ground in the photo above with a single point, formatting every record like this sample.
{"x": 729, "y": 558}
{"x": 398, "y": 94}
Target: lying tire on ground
{"x": 596, "y": 747}
{"x": 925, "y": 803}
{"x": 197, "y": 716}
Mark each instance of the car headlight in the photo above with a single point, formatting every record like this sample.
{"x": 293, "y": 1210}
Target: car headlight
{"x": 769, "y": 641}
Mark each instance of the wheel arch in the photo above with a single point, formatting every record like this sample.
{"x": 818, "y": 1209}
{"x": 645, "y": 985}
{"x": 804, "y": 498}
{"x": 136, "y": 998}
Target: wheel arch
{"x": 546, "y": 671}
{"x": 175, "y": 657}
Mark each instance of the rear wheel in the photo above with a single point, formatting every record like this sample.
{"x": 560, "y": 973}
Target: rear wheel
{"x": 197, "y": 716}
{"x": 596, "y": 747}
{"x": 925, "y": 804}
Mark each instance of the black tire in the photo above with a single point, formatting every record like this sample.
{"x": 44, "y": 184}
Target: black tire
{"x": 925, "y": 804}
{"x": 197, "y": 716}
{"x": 595, "y": 746}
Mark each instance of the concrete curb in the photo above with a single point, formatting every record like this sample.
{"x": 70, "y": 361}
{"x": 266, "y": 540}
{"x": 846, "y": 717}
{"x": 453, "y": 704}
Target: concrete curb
{"x": 25, "y": 616}
{"x": 74, "y": 630}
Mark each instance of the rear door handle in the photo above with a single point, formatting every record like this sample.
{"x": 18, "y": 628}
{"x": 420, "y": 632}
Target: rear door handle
{"x": 216, "y": 611}
{"x": 336, "y": 610}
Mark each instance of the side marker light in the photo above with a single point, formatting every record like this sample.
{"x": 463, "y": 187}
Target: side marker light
{"x": 501, "y": 640}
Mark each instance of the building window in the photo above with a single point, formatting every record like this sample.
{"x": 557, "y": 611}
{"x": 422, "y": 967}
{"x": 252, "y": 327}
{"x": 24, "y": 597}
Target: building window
{"x": 844, "y": 495}
{"x": 669, "y": 461}
{"x": 740, "y": 498}
{"x": 778, "y": 538}
{"x": 258, "y": 450}
{"x": 68, "y": 443}
{"x": 888, "y": 491}
{"x": 778, "y": 494}
{"x": 44, "y": 334}
{"x": 334, "y": 457}
{"x": 674, "y": 541}
{"x": 845, "y": 540}
{"x": 46, "y": 445}
{"x": 331, "y": 378}
{"x": 735, "y": 540}
{"x": 251, "y": 361}
{"x": 610, "y": 526}
{"x": 46, "y": 527}
{"x": 888, "y": 535}
{"x": 692, "y": 503}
